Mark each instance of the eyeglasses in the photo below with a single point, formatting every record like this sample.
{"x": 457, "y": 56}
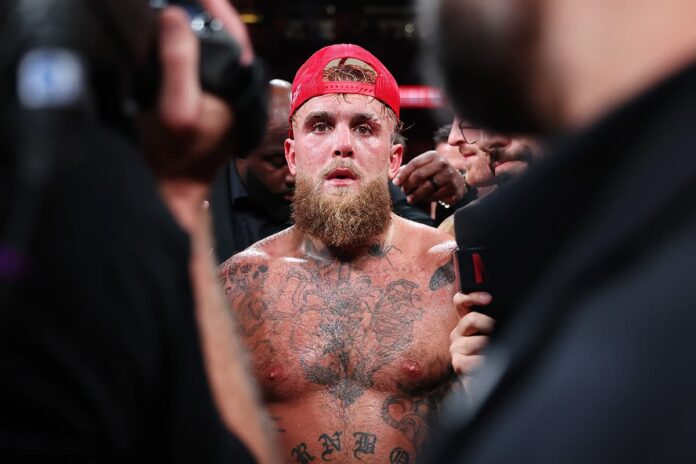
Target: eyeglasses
{"x": 470, "y": 134}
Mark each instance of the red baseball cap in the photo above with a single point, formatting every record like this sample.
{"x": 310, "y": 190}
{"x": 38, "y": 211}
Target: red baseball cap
{"x": 309, "y": 81}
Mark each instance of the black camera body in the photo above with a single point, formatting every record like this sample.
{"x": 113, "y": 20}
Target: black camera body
{"x": 110, "y": 46}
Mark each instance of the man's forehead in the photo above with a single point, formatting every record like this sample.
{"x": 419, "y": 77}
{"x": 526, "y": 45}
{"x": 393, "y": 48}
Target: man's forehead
{"x": 342, "y": 105}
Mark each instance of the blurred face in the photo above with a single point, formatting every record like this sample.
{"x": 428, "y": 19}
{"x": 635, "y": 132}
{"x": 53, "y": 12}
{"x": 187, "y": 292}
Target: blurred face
{"x": 267, "y": 177}
{"x": 451, "y": 154}
{"x": 490, "y": 56}
{"x": 493, "y": 158}
{"x": 477, "y": 162}
{"x": 510, "y": 156}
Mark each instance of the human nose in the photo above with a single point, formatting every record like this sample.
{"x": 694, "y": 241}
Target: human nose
{"x": 456, "y": 139}
{"x": 343, "y": 139}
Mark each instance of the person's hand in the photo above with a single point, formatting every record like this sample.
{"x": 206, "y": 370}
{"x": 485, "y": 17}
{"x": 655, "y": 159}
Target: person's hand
{"x": 181, "y": 135}
{"x": 229, "y": 17}
{"x": 430, "y": 177}
{"x": 470, "y": 335}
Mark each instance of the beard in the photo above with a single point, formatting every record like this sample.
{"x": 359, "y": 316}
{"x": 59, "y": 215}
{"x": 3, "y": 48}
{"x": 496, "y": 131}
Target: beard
{"x": 485, "y": 52}
{"x": 342, "y": 219}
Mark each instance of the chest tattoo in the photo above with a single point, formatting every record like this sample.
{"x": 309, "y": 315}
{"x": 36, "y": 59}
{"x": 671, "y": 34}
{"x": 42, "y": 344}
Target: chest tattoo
{"x": 348, "y": 327}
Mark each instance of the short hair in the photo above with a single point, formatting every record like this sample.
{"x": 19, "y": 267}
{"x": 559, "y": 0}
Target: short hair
{"x": 441, "y": 135}
{"x": 399, "y": 139}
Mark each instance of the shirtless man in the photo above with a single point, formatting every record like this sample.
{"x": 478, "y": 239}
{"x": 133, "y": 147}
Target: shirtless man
{"x": 347, "y": 314}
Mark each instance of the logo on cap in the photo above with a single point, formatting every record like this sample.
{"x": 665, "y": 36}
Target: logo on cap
{"x": 311, "y": 79}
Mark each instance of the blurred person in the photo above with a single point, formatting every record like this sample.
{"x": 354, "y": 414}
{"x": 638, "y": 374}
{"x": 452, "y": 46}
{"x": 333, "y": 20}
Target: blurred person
{"x": 400, "y": 205}
{"x": 347, "y": 313}
{"x": 585, "y": 259}
{"x": 430, "y": 179}
{"x": 447, "y": 151}
{"x": 115, "y": 343}
{"x": 491, "y": 160}
{"x": 251, "y": 199}
{"x": 440, "y": 210}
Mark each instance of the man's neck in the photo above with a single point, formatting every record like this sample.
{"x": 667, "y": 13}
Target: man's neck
{"x": 316, "y": 249}
{"x": 603, "y": 53}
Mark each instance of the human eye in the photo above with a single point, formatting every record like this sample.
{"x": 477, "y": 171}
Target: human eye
{"x": 364, "y": 129}
{"x": 320, "y": 127}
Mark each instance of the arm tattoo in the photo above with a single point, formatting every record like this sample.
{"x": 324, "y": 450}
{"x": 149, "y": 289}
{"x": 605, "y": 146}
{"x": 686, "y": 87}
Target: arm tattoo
{"x": 442, "y": 277}
{"x": 241, "y": 282}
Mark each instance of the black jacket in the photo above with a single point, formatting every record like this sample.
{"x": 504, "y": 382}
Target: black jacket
{"x": 593, "y": 257}
{"x": 100, "y": 356}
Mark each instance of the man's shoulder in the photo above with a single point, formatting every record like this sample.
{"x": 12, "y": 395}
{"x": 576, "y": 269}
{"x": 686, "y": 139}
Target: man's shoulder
{"x": 265, "y": 252}
{"x": 427, "y": 239}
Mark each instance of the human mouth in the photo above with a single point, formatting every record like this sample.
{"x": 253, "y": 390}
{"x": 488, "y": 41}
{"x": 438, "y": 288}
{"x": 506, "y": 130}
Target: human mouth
{"x": 467, "y": 153}
{"x": 512, "y": 167}
{"x": 341, "y": 176}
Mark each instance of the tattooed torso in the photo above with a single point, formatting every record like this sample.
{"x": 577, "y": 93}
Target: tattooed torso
{"x": 352, "y": 353}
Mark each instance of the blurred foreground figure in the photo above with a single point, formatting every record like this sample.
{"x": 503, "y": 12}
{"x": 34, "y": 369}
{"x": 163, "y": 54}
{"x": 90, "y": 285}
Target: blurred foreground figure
{"x": 115, "y": 341}
{"x": 592, "y": 252}
{"x": 491, "y": 161}
{"x": 347, "y": 314}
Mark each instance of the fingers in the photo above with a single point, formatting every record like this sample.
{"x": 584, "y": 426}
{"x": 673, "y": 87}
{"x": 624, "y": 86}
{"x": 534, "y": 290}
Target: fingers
{"x": 464, "y": 365}
{"x": 470, "y": 336}
{"x": 430, "y": 177}
{"x": 180, "y": 92}
{"x": 419, "y": 170}
{"x": 464, "y": 301}
{"x": 452, "y": 187}
{"x": 404, "y": 176}
{"x": 422, "y": 192}
{"x": 468, "y": 341}
{"x": 473, "y": 324}
{"x": 228, "y": 15}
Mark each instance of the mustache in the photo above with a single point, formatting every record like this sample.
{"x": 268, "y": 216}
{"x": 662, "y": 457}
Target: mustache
{"x": 341, "y": 163}
{"x": 524, "y": 153}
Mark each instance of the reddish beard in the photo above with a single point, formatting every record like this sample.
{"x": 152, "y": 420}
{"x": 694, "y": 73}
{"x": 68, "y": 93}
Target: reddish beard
{"x": 342, "y": 219}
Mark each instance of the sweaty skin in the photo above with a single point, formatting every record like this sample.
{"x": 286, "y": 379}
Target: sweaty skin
{"x": 351, "y": 352}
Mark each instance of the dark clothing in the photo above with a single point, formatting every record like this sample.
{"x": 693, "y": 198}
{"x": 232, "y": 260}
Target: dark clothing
{"x": 403, "y": 208}
{"x": 99, "y": 348}
{"x": 442, "y": 213}
{"x": 240, "y": 221}
{"x": 593, "y": 255}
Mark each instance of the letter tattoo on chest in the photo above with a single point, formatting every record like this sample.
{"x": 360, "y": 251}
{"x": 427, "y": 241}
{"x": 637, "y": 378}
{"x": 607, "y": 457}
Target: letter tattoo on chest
{"x": 301, "y": 454}
{"x": 364, "y": 444}
{"x": 330, "y": 444}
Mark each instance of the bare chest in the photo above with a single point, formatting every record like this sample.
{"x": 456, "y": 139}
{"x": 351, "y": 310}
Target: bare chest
{"x": 344, "y": 332}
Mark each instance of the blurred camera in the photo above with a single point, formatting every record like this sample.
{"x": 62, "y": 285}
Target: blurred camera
{"x": 100, "y": 58}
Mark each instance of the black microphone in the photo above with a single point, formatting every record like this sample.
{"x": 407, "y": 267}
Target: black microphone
{"x": 472, "y": 258}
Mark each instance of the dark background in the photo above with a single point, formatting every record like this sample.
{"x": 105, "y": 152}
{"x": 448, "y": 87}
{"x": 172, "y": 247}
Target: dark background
{"x": 285, "y": 34}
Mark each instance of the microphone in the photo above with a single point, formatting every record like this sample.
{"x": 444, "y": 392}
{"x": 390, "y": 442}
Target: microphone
{"x": 472, "y": 258}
